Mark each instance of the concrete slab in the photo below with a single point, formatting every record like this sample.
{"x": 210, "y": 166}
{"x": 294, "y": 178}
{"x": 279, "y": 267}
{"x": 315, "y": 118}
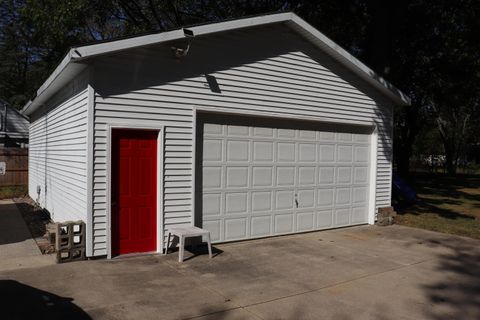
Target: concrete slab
{"x": 357, "y": 273}
{"x": 15, "y": 238}
{"x": 17, "y": 247}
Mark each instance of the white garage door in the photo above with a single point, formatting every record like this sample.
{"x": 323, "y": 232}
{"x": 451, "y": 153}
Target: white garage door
{"x": 260, "y": 181}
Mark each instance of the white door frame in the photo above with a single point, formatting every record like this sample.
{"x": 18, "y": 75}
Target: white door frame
{"x": 274, "y": 115}
{"x": 160, "y": 139}
{"x": 372, "y": 201}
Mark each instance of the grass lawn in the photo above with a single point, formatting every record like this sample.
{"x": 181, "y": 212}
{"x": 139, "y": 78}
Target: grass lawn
{"x": 445, "y": 204}
{"x": 13, "y": 191}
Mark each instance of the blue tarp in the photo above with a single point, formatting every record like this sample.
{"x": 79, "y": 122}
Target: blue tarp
{"x": 403, "y": 188}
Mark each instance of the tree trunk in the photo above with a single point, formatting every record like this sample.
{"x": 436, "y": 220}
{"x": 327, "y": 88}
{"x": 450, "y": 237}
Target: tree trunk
{"x": 450, "y": 161}
{"x": 403, "y": 162}
{"x": 448, "y": 146}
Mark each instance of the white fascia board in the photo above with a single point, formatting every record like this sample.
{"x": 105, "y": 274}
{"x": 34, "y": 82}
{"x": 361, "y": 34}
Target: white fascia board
{"x": 353, "y": 63}
{"x": 113, "y": 46}
{"x": 140, "y": 41}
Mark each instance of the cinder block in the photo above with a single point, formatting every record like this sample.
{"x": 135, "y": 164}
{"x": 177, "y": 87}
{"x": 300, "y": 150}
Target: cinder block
{"x": 70, "y": 255}
{"x": 70, "y": 241}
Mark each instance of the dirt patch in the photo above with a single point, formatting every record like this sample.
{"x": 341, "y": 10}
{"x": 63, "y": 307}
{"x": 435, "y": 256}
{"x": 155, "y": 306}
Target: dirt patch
{"x": 37, "y": 220}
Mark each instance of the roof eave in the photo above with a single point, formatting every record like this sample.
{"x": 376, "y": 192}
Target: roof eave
{"x": 57, "y": 78}
{"x": 63, "y": 73}
{"x": 355, "y": 65}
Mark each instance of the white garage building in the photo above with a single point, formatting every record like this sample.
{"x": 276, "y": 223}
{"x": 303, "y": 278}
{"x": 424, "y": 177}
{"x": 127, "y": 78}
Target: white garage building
{"x": 248, "y": 128}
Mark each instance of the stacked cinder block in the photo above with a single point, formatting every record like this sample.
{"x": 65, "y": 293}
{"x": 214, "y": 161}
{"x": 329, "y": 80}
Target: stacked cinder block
{"x": 70, "y": 241}
{"x": 385, "y": 216}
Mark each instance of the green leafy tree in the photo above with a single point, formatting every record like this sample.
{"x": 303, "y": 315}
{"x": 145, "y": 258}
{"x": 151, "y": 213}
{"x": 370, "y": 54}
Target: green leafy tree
{"x": 428, "y": 48}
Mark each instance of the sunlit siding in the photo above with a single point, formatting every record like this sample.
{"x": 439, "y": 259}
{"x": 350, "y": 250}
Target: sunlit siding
{"x": 58, "y": 154}
{"x": 177, "y": 120}
{"x": 266, "y": 70}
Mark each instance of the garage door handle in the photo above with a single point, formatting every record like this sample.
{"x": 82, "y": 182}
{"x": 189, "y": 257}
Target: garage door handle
{"x": 296, "y": 200}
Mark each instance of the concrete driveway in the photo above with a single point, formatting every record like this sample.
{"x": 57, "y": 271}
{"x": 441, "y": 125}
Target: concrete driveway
{"x": 357, "y": 273}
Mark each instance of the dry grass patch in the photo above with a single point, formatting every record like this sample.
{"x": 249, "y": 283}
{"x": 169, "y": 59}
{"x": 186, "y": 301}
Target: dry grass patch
{"x": 445, "y": 204}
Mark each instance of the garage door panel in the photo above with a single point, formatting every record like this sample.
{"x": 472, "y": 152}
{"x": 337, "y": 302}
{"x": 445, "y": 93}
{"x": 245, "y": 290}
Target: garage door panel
{"x": 262, "y": 181}
{"x": 325, "y": 197}
{"x": 359, "y": 214}
{"x": 286, "y": 133}
{"x": 307, "y": 152}
{"x": 344, "y": 153}
{"x": 342, "y": 217}
{"x": 361, "y": 154}
{"x": 326, "y": 175}
{"x": 212, "y": 150}
{"x": 362, "y": 138}
{"x": 261, "y": 201}
{"x": 284, "y": 199}
{"x": 237, "y": 150}
{"x": 285, "y": 152}
{"x": 343, "y": 196}
{"x": 344, "y": 137}
{"x": 212, "y": 204}
{"x": 234, "y": 130}
{"x": 235, "y": 228}
{"x": 263, "y": 151}
{"x": 262, "y": 132}
{"x": 360, "y": 175}
{"x": 262, "y": 176}
{"x": 324, "y": 219}
{"x": 283, "y": 223}
{"x": 360, "y": 195}
{"x": 236, "y": 202}
{"x": 212, "y": 178}
{"x": 305, "y": 221}
{"x": 326, "y": 153}
{"x": 285, "y": 176}
{"x": 344, "y": 175}
{"x": 261, "y": 226}
{"x": 306, "y": 176}
{"x": 215, "y": 228}
{"x": 213, "y": 129}
{"x": 236, "y": 177}
{"x": 307, "y": 134}
{"x": 305, "y": 198}
{"x": 326, "y": 136}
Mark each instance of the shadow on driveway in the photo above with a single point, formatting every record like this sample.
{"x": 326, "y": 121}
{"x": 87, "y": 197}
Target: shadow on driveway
{"x": 19, "y": 301}
{"x": 459, "y": 291}
{"x": 12, "y": 226}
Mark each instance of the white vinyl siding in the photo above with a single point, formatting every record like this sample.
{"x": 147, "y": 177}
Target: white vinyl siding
{"x": 58, "y": 154}
{"x": 269, "y": 70}
{"x": 177, "y": 160}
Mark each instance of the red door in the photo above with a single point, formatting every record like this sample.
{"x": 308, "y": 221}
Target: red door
{"x": 134, "y": 191}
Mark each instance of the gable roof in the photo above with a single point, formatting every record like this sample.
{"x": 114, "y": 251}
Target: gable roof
{"x": 69, "y": 66}
{"x": 12, "y": 123}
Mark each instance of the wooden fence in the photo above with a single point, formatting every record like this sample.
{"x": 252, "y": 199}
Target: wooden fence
{"x": 16, "y": 160}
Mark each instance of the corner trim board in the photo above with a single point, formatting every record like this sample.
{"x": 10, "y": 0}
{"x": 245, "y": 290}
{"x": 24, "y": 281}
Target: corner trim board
{"x": 90, "y": 160}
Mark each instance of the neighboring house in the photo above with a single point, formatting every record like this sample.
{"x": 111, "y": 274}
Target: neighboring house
{"x": 248, "y": 128}
{"x": 13, "y": 127}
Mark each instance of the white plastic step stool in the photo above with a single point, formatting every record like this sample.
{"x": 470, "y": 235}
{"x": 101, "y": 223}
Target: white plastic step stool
{"x": 188, "y": 232}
